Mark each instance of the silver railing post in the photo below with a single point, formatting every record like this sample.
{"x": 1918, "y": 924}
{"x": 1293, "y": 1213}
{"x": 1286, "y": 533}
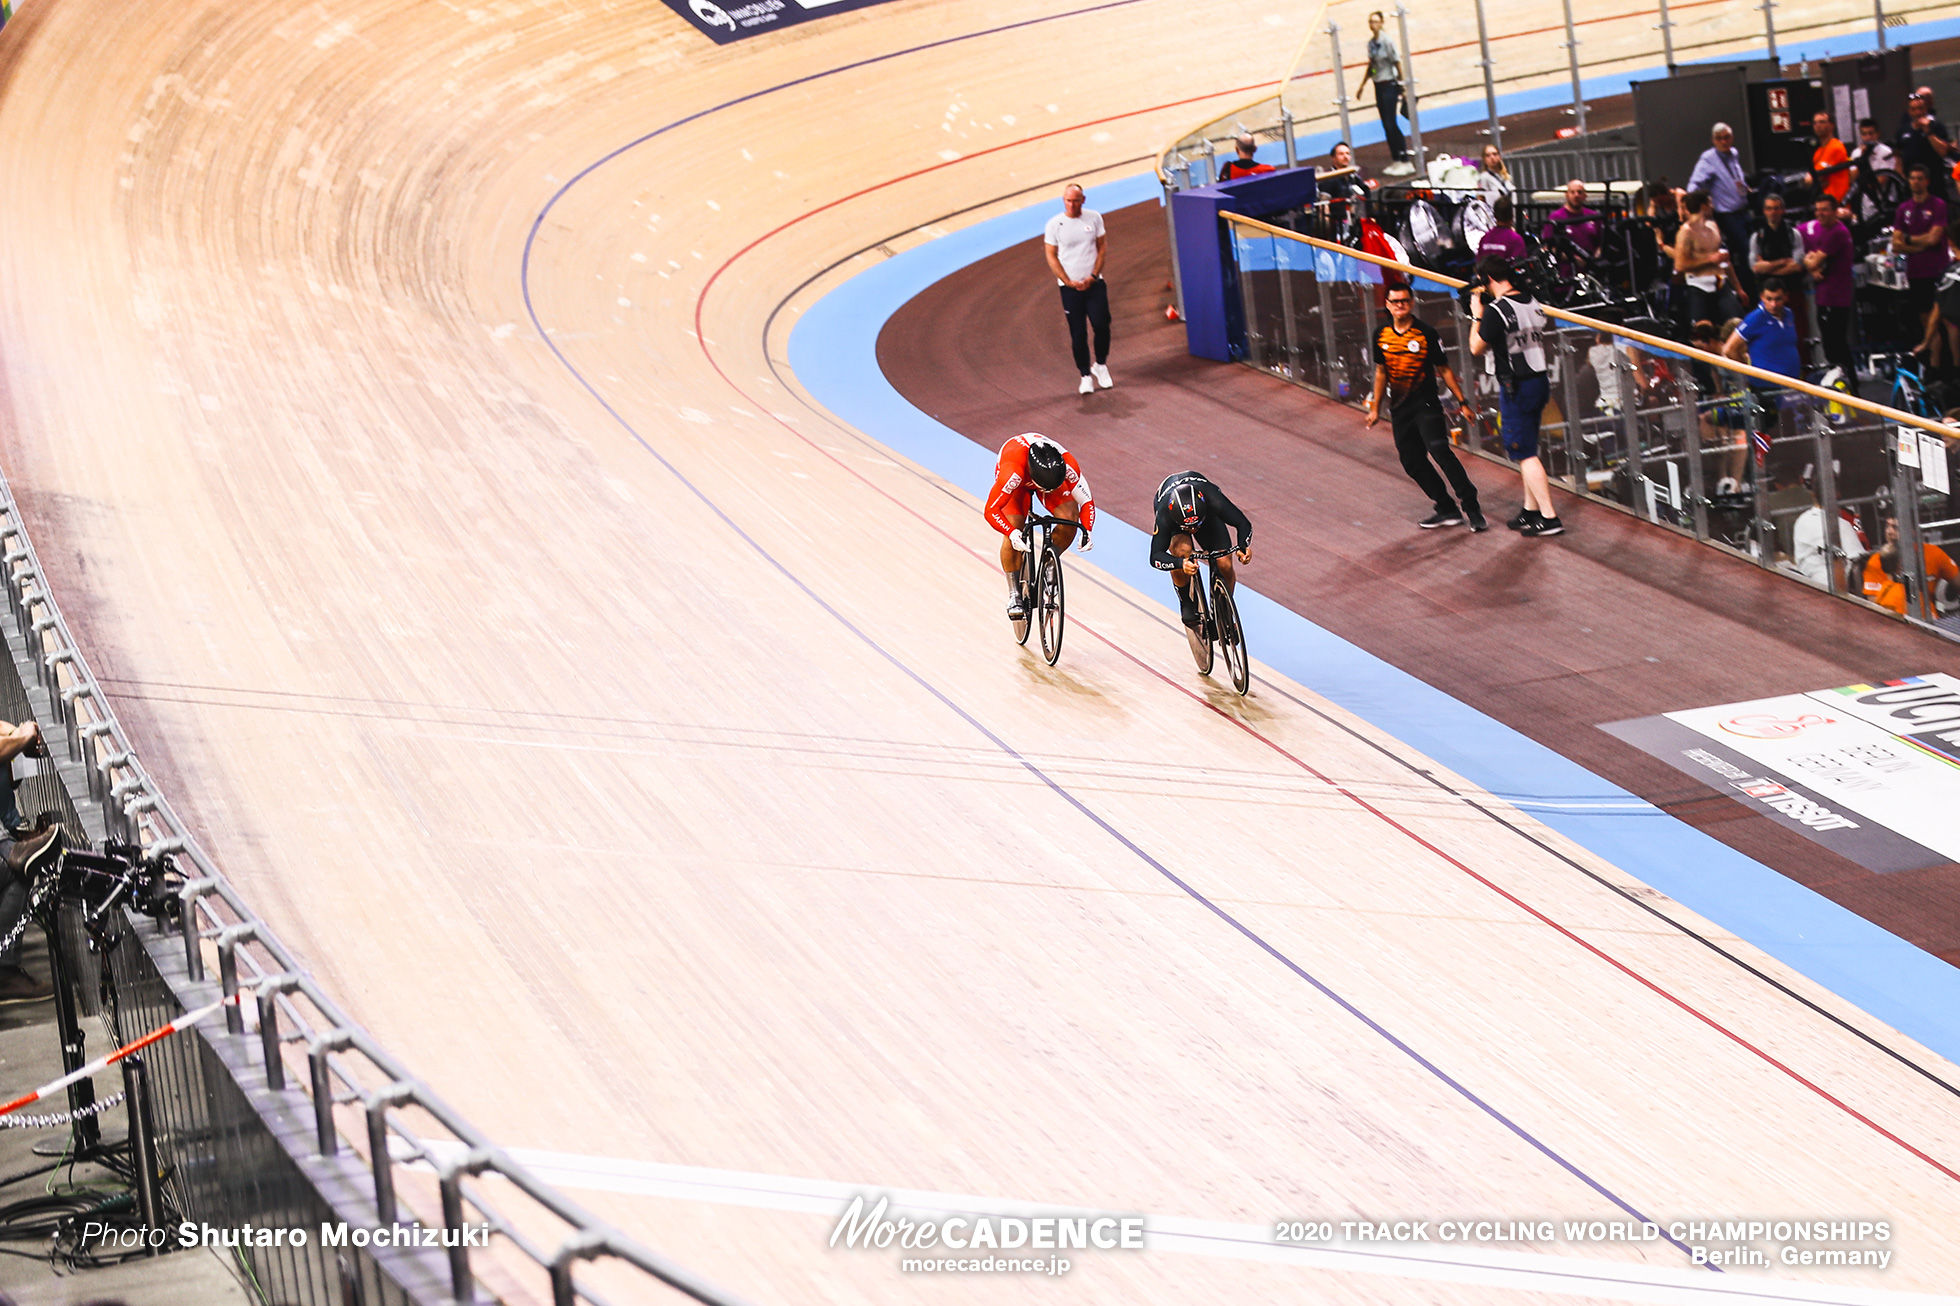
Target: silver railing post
{"x": 1697, "y": 475}
{"x": 1667, "y": 37}
{"x": 228, "y": 941}
{"x": 583, "y": 1245}
{"x": 1630, "y": 427}
{"x": 1255, "y": 339}
{"x": 1826, "y": 474}
{"x": 1878, "y": 12}
{"x": 462, "y": 1284}
{"x": 1409, "y": 91}
{"x": 1286, "y": 136}
{"x": 1578, "y": 95}
{"x": 187, "y": 897}
{"x": 318, "y": 1048}
{"x": 1769, "y": 26}
{"x": 1905, "y": 508}
{"x": 1490, "y": 81}
{"x": 269, "y": 1041}
{"x": 379, "y": 1157}
{"x": 1340, "y": 83}
{"x": 1575, "y": 435}
{"x": 1283, "y": 251}
{"x": 1336, "y": 375}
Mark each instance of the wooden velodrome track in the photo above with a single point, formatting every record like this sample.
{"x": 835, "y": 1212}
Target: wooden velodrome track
{"x": 644, "y": 757}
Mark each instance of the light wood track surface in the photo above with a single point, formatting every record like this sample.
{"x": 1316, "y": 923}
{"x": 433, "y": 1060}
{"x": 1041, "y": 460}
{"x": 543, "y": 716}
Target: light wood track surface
{"x": 730, "y": 829}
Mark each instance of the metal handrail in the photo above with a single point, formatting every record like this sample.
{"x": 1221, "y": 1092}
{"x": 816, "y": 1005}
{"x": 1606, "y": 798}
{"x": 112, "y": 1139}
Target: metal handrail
{"x": 138, "y": 812}
{"x": 1660, "y": 343}
{"x": 1443, "y": 94}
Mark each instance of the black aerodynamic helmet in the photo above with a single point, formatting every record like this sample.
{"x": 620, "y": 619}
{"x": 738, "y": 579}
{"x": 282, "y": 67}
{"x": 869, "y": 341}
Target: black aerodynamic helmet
{"x": 1046, "y": 467}
{"x": 1186, "y": 506}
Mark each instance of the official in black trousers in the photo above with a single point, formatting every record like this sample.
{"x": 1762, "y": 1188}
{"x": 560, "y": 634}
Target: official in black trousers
{"x": 1408, "y": 363}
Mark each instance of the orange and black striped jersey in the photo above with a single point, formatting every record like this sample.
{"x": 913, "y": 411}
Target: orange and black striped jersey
{"x": 1410, "y": 358}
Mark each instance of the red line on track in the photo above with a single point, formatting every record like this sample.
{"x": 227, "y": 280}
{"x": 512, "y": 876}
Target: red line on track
{"x": 699, "y": 306}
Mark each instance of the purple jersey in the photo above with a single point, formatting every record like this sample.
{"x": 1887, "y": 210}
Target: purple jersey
{"x": 1502, "y": 240}
{"x": 1916, "y": 218}
{"x": 1834, "y": 277}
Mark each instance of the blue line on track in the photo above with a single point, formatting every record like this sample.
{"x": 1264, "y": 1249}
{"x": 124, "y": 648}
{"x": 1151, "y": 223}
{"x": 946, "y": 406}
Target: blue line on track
{"x": 932, "y": 689}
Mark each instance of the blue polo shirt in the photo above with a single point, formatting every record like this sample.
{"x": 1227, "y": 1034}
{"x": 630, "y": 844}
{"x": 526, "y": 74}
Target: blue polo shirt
{"x": 1772, "y": 341}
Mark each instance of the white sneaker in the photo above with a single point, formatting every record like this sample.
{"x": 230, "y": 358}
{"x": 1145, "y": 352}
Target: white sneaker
{"x": 1088, "y": 386}
{"x": 1399, "y": 168}
{"x": 1101, "y": 373}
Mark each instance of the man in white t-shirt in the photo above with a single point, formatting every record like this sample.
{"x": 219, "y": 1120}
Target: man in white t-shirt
{"x": 1075, "y": 243}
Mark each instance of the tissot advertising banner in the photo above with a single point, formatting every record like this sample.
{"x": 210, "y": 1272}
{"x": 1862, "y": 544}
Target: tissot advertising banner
{"x": 731, "y": 20}
{"x": 1871, "y": 771}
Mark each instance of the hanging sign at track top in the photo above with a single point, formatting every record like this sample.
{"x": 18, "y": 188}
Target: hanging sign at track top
{"x": 731, "y": 20}
{"x": 1870, "y": 771}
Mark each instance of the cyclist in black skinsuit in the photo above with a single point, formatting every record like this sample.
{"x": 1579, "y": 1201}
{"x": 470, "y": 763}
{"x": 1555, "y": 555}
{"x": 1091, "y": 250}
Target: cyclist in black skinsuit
{"x": 1192, "y": 511}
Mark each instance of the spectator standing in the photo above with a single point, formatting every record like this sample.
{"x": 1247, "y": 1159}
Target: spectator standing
{"x": 1827, "y": 173}
{"x": 1245, "y": 165}
{"x": 1828, "y": 256}
{"x": 1510, "y": 337}
{"x": 1579, "y": 223}
{"x": 1385, "y": 70}
{"x": 1076, "y": 244}
{"x": 1503, "y": 238}
{"x": 1924, "y": 142}
{"x": 1767, "y": 338}
{"x": 1409, "y": 360}
{"x": 1654, "y": 269}
{"x": 1701, "y": 259}
{"x": 1718, "y": 174}
{"x": 1919, "y": 232}
{"x": 1776, "y": 247}
{"x": 1873, "y": 153}
{"x": 1493, "y": 178}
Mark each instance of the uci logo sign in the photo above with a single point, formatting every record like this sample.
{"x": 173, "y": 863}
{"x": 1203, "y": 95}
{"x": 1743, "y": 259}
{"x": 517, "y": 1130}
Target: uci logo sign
{"x": 711, "y": 14}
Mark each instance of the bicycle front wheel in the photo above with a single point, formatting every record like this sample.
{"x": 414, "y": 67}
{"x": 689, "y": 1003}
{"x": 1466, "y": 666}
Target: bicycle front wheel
{"x": 1048, "y": 611}
{"x": 1025, "y": 622}
{"x": 1231, "y": 635}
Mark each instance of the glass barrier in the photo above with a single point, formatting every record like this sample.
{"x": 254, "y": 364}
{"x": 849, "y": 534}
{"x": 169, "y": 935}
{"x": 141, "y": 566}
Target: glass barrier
{"x": 1525, "y": 37}
{"x": 1809, "y": 485}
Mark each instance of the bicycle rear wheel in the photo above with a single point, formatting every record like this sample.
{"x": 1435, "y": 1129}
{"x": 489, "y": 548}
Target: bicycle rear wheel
{"x": 1199, "y": 636}
{"x": 1048, "y": 610}
{"x": 1231, "y": 635}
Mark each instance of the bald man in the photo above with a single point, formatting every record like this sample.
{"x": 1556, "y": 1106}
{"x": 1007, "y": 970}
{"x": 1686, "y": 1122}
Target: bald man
{"x": 1076, "y": 244}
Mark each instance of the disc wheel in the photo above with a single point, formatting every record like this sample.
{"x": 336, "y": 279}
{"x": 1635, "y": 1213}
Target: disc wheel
{"x": 1048, "y": 611}
{"x": 1231, "y": 635}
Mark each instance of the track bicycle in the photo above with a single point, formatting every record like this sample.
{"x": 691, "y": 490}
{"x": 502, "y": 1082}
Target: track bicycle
{"x": 1218, "y": 623}
{"x": 1040, "y": 583}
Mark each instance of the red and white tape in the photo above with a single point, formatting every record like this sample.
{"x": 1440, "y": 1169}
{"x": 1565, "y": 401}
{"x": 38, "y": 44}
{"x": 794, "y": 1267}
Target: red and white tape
{"x": 101, "y": 1063}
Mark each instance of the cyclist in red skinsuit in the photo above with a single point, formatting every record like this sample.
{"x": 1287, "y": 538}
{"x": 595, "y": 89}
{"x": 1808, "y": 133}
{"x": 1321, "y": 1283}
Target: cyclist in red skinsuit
{"x": 1033, "y": 464}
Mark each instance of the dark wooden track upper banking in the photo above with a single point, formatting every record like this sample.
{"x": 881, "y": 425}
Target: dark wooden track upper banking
{"x": 1613, "y": 620}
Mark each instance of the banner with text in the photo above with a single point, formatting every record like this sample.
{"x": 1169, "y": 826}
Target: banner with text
{"x": 1869, "y": 771}
{"x": 731, "y": 20}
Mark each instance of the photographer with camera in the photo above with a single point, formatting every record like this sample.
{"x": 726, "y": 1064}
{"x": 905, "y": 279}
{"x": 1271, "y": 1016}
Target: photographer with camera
{"x": 23, "y": 851}
{"x": 1510, "y": 337}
